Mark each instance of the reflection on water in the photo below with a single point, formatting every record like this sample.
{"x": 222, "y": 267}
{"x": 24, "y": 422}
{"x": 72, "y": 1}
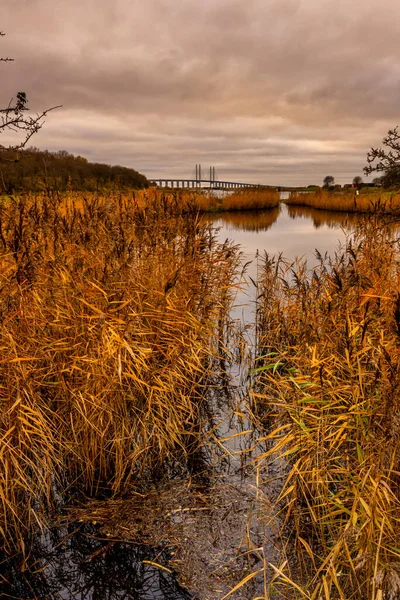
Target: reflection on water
{"x": 293, "y": 231}
{"x": 249, "y": 220}
{"x": 73, "y": 564}
{"x": 330, "y": 218}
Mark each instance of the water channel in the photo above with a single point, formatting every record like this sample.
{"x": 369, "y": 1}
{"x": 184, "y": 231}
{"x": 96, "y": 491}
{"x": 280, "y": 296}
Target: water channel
{"x": 76, "y": 561}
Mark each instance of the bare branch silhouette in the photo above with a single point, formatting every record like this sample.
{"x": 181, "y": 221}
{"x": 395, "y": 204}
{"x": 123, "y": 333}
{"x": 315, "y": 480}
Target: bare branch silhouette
{"x": 14, "y": 118}
{"x": 386, "y": 160}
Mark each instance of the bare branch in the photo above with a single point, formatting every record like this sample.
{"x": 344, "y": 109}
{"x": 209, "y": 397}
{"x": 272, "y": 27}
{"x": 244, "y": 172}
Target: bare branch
{"x": 14, "y": 118}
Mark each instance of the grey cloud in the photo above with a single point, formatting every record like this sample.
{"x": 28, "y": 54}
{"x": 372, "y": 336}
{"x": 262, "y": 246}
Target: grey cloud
{"x": 253, "y": 85}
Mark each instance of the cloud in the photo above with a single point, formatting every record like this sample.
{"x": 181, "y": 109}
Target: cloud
{"x": 278, "y": 91}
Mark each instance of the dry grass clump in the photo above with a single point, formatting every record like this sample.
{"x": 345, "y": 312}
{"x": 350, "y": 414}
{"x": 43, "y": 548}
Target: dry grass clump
{"x": 330, "y": 375}
{"x": 383, "y": 202}
{"x": 246, "y": 199}
{"x": 108, "y": 310}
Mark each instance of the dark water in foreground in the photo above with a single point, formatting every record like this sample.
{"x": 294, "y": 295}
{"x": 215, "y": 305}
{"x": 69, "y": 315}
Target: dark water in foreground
{"x": 75, "y": 562}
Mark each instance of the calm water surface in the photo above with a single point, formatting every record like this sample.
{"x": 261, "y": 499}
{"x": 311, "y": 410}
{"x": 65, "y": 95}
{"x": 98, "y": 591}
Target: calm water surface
{"x": 294, "y": 231}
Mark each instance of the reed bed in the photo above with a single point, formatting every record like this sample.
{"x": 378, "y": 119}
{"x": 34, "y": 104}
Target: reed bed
{"x": 251, "y": 199}
{"x": 329, "y": 392}
{"x": 109, "y": 309}
{"x": 183, "y": 201}
{"x": 368, "y": 202}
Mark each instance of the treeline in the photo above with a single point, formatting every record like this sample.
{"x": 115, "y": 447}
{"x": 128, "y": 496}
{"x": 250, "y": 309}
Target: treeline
{"x": 40, "y": 170}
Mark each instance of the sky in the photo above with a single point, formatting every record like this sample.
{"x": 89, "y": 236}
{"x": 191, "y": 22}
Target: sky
{"x": 279, "y": 92}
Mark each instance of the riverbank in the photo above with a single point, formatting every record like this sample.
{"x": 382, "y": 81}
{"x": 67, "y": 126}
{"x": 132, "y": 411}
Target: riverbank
{"x": 365, "y": 202}
{"x": 256, "y": 199}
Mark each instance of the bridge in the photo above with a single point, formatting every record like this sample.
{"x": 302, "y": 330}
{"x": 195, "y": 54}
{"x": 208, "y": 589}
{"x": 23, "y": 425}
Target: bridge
{"x": 198, "y": 182}
{"x": 203, "y": 183}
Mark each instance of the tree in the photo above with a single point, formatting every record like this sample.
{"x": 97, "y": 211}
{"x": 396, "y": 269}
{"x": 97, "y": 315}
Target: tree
{"x": 329, "y": 180}
{"x": 386, "y": 160}
{"x": 14, "y": 118}
{"x": 357, "y": 181}
{"x": 61, "y": 171}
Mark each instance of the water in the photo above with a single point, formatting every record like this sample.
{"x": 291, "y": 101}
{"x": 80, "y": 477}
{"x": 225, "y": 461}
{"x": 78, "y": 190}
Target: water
{"x": 74, "y": 562}
{"x": 294, "y": 231}
{"x": 76, "y": 565}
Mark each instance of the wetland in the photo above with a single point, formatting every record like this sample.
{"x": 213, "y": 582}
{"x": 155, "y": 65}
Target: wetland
{"x": 198, "y": 406}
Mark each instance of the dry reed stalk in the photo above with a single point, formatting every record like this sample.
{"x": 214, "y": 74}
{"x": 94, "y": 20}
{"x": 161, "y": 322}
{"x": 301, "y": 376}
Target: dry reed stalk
{"x": 330, "y": 377}
{"x": 109, "y": 308}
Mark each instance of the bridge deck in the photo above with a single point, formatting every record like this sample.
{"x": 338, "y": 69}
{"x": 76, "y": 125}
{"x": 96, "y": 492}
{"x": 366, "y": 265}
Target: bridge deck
{"x": 199, "y": 183}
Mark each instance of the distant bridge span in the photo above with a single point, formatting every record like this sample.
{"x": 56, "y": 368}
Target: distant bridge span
{"x": 200, "y": 183}
{"x": 197, "y": 182}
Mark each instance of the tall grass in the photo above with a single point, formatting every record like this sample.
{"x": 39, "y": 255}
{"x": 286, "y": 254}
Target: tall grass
{"x": 385, "y": 202}
{"x": 182, "y": 201}
{"x": 329, "y": 389}
{"x": 108, "y": 310}
{"x": 251, "y": 199}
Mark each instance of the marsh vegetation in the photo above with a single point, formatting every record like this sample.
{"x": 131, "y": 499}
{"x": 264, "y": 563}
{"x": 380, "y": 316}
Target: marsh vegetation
{"x": 348, "y": 201}
{"x": 117, "y": 342}
{"x": 328, "y": 387}
{"x": 109, "y": 311}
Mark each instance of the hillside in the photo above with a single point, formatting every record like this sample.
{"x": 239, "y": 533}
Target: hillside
{"x": 37, "y": 170}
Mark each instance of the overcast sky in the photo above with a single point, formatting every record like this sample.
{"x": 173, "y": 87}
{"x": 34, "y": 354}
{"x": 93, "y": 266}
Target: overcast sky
{"x": 268, "y": 91}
